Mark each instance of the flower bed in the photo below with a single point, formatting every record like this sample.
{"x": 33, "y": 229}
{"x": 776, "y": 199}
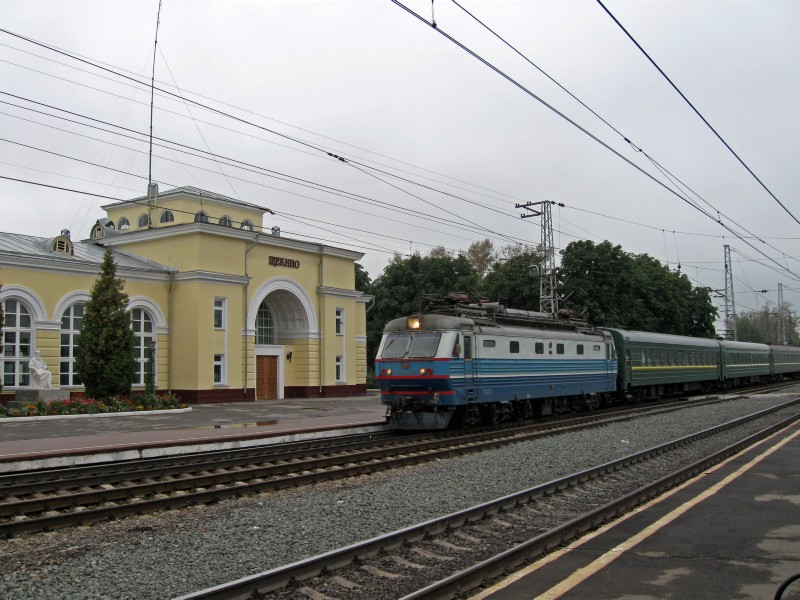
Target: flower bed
{"x": 81, "y": 405}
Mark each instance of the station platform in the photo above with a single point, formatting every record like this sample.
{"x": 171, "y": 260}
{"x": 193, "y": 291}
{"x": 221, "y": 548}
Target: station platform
{"x": 34, "y": 443}
{"x": 733, "y": 532}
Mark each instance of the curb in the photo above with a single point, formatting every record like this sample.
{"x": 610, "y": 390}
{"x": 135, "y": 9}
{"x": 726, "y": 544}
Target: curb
{"x": 138, "y": 413}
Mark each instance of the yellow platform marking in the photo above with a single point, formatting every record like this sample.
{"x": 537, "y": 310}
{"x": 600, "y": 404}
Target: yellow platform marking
{"x": 584, "y": 573}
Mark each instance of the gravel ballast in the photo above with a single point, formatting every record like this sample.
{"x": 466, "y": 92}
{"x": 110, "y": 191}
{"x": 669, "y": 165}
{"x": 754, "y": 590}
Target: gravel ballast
{"x": 169, "y": 554}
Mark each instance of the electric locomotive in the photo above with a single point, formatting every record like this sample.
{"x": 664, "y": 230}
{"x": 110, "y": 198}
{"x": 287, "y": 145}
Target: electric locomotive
{"x": 483, "y": 363}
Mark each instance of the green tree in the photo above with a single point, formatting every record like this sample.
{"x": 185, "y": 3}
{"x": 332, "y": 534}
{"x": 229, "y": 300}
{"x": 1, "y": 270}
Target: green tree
{"x": 513, "y": 282}
{"x": 615, "y": 288}
{"x": 763, "y": 326}
{"x": 398, "y": 289}
{"x": 363, "y": 282}
{"x": 105, "y": 357}
{"x": 481, "y": 256}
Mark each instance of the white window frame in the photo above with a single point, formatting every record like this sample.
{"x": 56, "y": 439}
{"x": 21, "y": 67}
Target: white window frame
{"x": 221, "y": 308}
{"x": 138, "y": 321}
{"x": 12, "y": 351}
{"x": 70, "y": 329}
{"x": 219, "y": 361}
{"x": 340, "y": 323}
{"x": 340, "y": 376}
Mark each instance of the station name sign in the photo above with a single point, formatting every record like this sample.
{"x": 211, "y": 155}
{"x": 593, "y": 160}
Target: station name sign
{"x": 277, "y": 261}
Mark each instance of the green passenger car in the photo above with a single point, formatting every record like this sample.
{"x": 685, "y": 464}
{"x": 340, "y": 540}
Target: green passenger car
{"x": 785, "y": 360}
{"x": 654, "y": 364}
{"x": 744, "y": 362}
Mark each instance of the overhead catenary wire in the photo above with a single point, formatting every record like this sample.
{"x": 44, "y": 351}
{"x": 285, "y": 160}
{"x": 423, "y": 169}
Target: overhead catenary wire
{"x": 697, "y": 112}
{"x": 579, "y": 127}
{"x": 661, "y": 228}
{"x": 669, "y": 175}
{"x": 216, "y": 125}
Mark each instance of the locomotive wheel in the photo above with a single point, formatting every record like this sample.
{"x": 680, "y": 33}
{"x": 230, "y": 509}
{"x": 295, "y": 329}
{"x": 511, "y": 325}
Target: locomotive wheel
{"x": 592, "y": 402}
{"x": 560, "y": 406}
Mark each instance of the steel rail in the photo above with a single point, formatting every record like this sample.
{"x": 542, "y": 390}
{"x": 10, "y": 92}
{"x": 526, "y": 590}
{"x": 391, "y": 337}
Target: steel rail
{"x": 172, "y": 488}
{"x": 499, "y": 565}
{"x": 281, "y": 577}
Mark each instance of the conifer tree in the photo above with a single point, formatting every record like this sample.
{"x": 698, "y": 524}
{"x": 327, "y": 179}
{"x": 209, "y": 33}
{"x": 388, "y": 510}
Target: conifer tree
{"x": 105, "y": 358}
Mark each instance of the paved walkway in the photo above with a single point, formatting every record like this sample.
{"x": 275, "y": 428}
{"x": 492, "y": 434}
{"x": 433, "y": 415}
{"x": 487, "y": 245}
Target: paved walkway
{"x": 207, "y": 425}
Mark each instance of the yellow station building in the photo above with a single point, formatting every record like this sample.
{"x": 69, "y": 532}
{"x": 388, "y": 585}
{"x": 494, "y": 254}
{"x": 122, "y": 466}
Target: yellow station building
{"x": 233, "y": 313}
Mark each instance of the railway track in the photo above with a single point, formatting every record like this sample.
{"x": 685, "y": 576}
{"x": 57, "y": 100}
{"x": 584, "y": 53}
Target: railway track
{"x": 445, "y": 557}
{"x": 57, "y": 498}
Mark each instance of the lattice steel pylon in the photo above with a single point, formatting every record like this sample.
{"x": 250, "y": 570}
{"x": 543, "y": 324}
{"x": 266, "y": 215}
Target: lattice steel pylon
{"x": 730, "y": 305}
{"x": 548, "y": 294}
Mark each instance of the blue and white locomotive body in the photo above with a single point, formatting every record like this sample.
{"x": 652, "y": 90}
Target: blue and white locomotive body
{"x": 434, "y": 368}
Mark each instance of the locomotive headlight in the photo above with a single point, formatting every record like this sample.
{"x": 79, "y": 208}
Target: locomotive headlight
{"x": 388, "y": 371}
{"x": 424, "y": 371}
{"x": 413, "y": 322}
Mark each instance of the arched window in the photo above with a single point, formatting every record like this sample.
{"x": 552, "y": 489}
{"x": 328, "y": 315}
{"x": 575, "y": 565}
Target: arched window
{"x": 62, "y": 245}
{"x": 201, "y": 217}
{"x": 17, "y": 340}
{"x": 265, "y": 327}
{"x": 124, "y": 224}
{"x": 144, "y": 342}
{"x": 71, "y": 322}
{"x": 167, "y": 216}
{"x": 226, "y": 222}
{"x": 247, "y": 225}
{"x": 144, "y": 221}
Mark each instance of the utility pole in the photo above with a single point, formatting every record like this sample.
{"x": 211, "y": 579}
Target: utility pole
{"x": 730, "y": 305}
{"x": 548, "y": 295}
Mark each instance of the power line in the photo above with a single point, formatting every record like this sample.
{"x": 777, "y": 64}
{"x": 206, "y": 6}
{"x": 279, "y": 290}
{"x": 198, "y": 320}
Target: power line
{"x": 220, "y": 102}
{"x": 579, "y": 127}
{"x": 697, "y": 112}
{"x": 664, "y": 171}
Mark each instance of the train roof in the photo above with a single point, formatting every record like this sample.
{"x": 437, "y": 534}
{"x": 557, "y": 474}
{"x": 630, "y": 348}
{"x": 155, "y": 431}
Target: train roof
{"x": 785, "y": 348}
{"x": 730, "y": 344}
{"x": 647, "y": 337}
{"x": 439, "y": 322}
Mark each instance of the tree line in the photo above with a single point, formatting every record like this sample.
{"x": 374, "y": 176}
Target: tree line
{"x": 600, "y": 283}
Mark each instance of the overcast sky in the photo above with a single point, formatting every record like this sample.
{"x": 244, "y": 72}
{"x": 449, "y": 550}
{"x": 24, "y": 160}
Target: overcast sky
{"x": 371, "y": 83}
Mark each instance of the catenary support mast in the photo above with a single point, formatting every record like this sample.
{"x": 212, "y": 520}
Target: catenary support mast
{"x": 548, "y": 294}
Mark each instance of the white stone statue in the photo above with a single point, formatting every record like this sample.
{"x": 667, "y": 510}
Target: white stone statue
{"x": 41, "y": 377}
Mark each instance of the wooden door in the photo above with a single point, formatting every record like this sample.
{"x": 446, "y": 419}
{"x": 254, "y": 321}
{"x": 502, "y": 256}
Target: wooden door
{"x": 266, "y": 377}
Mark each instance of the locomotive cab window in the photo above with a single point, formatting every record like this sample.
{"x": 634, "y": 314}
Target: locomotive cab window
{"x": 489, "y": 343}
{"x": 579, "y": 349}
{"x": 418, "y": 345}
{"x": 559, "y": 348}
{"x": 424, "y": 345}
{"x": 513, "y": 347}
{"x": 539, "y": 348}
{"x": 396, "y": 345}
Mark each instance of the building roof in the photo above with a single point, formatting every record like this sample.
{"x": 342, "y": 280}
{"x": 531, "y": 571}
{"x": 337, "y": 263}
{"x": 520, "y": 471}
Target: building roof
{"x": 85, "y": 253}
{"x": 188, "y": 190}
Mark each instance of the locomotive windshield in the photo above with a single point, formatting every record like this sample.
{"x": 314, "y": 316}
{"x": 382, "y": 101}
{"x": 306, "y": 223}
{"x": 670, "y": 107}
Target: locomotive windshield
{"x": 396, "y": 345}
{"x": 407, "y": 345}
